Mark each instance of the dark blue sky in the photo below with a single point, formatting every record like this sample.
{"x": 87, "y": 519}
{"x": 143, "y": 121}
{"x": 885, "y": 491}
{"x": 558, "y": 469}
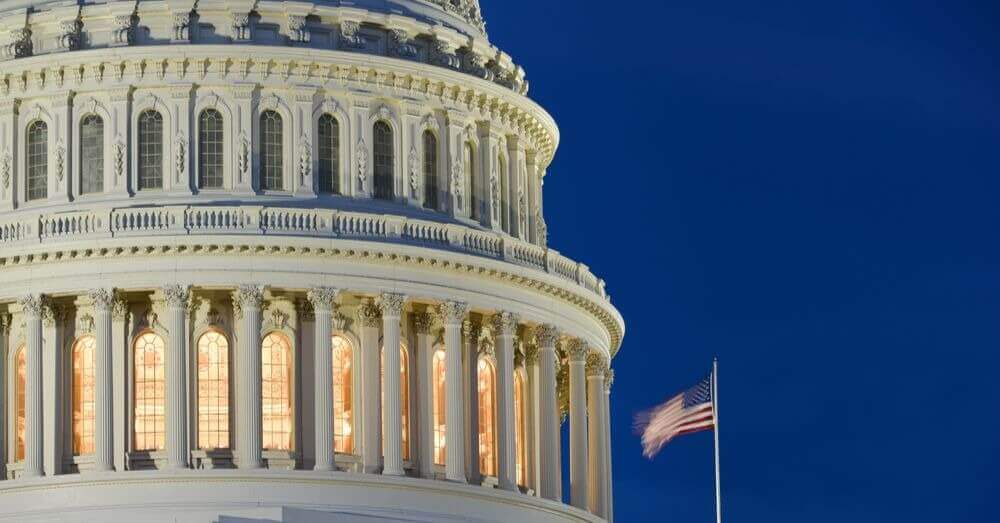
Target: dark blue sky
{"x": 809, "y": 190}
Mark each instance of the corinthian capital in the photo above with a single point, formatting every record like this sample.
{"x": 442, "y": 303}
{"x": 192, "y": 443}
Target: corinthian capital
{"x": 391, "y": 304}
{"x": 609, "y": 379}
{"x": 249, "y": 296}
{"x": 369, "y": 314}
{"x": 176, "y": 295}
{"x": 453, "y": 312}
{"x": 596, "y": 365}
{"x": 546, "y": 336}
{"x": 423, "y": 322}
{"x": 504, "y": 323}
{"x": 322, "y": 298}
{"x": 103, "y": 299}
{"x": 577, "y": 349}
{"x": 32, "y": 304}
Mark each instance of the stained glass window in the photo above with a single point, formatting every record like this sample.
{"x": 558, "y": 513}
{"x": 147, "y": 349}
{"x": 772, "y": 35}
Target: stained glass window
{"x": 150, "y": 393}
{"x": 84, "y": 380}
{"x": 276, "y": 392}
{"x": 213, "y": 391}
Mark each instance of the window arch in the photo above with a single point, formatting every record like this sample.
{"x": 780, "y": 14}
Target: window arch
{"x": 469, "y": 161}
{"x": 211, "y": 150}
{"x": 343, "y": 395}
{"x": 487, "y": 418}
{"x": 404, "y": 400}
{"x": 430, "y": 170}
{"x": 520, "y": 435}
{"x": 20, "y": 380}
{"x": 213, "y": 391}
{"x": 83, "y": 401}
{"x": 150, "y": 153}
{"x": 150, "y": 389}
{"x": 91, "y": 154}
{"x": 276, "y": 391}
{"x": 439, "y": 395}
{"x": 504, "y": 197}
{"x": 271, "y": 151}
{"x": 37, "y": 160}
{"x": 329, "y": 154}
{"x": 384, "y": 160}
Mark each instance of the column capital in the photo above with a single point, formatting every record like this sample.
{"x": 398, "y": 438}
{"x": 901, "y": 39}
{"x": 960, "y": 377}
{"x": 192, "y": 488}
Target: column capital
{"x": 453, "y": 312}
{"x": 102, "y": 298}
{"x": 249, "y": 296}
{"x": 120, "y": 309}
{"x": 596, "y": 365}
{"x": 322, "y": 298}
{"x": 546, "y": 335}
{"x": 423, "y": 322}
{"x": 32, "y": 304}
{"x": 504, "y": 323}
{"x": 472, "y": 329}
{"x": 576, "y": 349}
{"x": 531, "y": 354}
{"x": 369, "y": 314}
{"x": 609, "y": 379}
{"x": 176, "y": 295}
{"x": 391, "y": 304}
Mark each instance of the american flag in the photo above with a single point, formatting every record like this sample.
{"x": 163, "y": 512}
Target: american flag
{"x": 690, "y": 411}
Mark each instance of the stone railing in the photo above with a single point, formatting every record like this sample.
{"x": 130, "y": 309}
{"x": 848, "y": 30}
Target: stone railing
{"x": 278, "y": 221}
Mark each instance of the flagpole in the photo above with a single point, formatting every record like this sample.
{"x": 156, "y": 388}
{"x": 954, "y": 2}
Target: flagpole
{"x": 715, "y": 430}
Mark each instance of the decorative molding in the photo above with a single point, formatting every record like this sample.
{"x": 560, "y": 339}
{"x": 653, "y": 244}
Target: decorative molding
{"x": 298, "y": 29}
{"x": 472, "y": 329}
{"x": 241, "y": 26}
{"x": 576, "y": 349}
{"x": 504, "y": 323}
{"x": 609, "y": 379}
{"x": 362, "y": 167}
{"x": 546, "y": 335}
{"x": 102, "y": 298}
{"x": 85, "y": 324}
{"x": 323, "y": 298}
{"x": 391, "y": 304}
{"x": 350, "y": 37}
{"x": 19, "y": 44}
{"x": 596, "y": 365}
{"x": 414, "y": 163}
{"x": 453, "y": 312}
{"x": 369, "y": 314}
{"x": 531, "y": 354}
{"x": 176, "y": 295}
{"x": 69, "y": 37}
{"x": 423, "y": 322}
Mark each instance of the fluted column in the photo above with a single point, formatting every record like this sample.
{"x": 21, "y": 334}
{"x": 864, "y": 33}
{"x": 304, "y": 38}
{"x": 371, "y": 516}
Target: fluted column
{"x": 472, "y": 328}
{"x": 422, "y": 322}
{"x": 504, "y": 324}
{"x": 120, "y": 407}
{"x": 577, "y": 422}
{"x": 176, "y": 298}
{"x": 248, "y": 300}
{"x": 452, "y": 313}
{"x": 392, "y": 308}
{"x": 597, "y": 470}
{"x": 322, "y": 299}
{"x": 103, "y": 300}
{"x": 550, "y": 485}
{"x": 33, "y": 436}
{"x": 609, "y": 378}
{"x": 531, "y": 415}
{"x": 370, "y": 316}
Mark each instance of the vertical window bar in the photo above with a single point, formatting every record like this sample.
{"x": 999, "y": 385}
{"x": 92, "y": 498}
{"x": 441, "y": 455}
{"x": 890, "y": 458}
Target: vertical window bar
{"x": 383, "y": 161}
{"x": 329, "y": 155}
{"x": 271, "y": 154}
{"x": 91, "y": 154}
{"x": 38, "y": 161}
{"x": 210, "y": 150}
{"x": 150, "y": 153}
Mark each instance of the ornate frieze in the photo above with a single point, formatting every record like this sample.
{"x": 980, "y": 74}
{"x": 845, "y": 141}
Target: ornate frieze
{"x": 32, "y": 304}
{"x": 350, "y": 35}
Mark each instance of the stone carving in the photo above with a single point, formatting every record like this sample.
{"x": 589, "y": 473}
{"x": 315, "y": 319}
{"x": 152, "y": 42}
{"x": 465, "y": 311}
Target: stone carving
{"x": 472, "y": 329}
{"x": 182, "y": 25}
{"x": 531, "y": 354}
{"x": 180, "y": 156}
{"x": 20, "y": 44}
{"x": 467, "y": 9}
{"x": 103, "y": 299}
{"x": 391, "y": 304}
{"x": 487, "y": 348}
{"x": 118, "y": 154}
{"x": 453, "y": 312}
{"x": 69, "y": 37}
{"x": 414, "y": 161}
{"x": 275, "y": 319}
{"x": 423, "y": 322}
{"x": 176, "y": 295}
{"x": 305, "y": 160}
{"x": 298, "y": 29}
{"x": 541, "y": 229}
{"x": 475, "y": 64}
{"x": 123, "y": 30}
{"x": 241, "y": 27}
{"x": 457, "y": 183}
{"x": 243, "y": 160}
{"x": 322, "y": 298}
{"x": 120, "y": 310}
{"x": 369, "y": 314}
{"x": 596, "y": 365}
{"x": 546, "y": 335}
{"x": 522, "y": 212}
{"x": 5, "y": 160}
{"x": 247, "y": 296}
{"x": 443, "y": 54}
{"x": 609, "y": 379}
{"x": 495, "y": 194}
{"x": 349, "y": 35}
{"x": 504, "y": 323}
{"x": 576, "y": 349}
{"x": 32, "y": 304}
{"x": 362, "y": 165}
{"x": 85, "y": 324}
{"x": 400, "y": 44}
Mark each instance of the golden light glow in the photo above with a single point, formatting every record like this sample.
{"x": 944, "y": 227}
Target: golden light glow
{"x": 487, "y": 421}
{"x": 404, "y": 402}
{"x": 343, "y": 356}
{"x": 519, "y": 432}
{"x": 150, "y": 393}
{"x": 84, "y": 379}
{"x": 438, "y": 391}
{"x": 213, "y": 391}
{"x": 20, "y": 381}
{"x": 276, "y": 392}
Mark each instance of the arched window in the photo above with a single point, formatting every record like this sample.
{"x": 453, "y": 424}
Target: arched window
{"x": 276, "y": 391}
{"x": 343, "y": 395}
{"x": 520, "y": 434}
{"x": 469, "y": 164}
{"x": 430, "y": 171}
{"x": 210, "y": 150}
{"x": 150, "y": 393}
{"x": 438, "y": 391}
{"x": 213, "y": 391}
{"x": 271, "y": 154}
{"x": 487, "y": 421}
{"x": 150, "y": 153}
{"x": 384, "y": 161}
{"x": 84, "y": 380}
{"x": 504, "y": 197}
{"x": 404, "y": 402}
{"x": 329, "y": 154}
{"x": 91, "y": 154}
{"x": 20, "y": 380}
{"x": 37, "y": 160}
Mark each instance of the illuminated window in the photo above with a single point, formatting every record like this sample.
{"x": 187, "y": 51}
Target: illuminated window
{"x": 20, "y": 380}
{"x": 329, "y": 155}
{"x": 150, "y": 393}
{"x": 343, "y": 408}
{"x": 519, "y": 432}
{"x": 470, "y": 181}
{"x": 276, "y": 392}
{"x": 150, "y": 153}
{"x": 404, "y": 403}
{"x": 438, "y": 391}
{"x": 383, "y": 165}
{"x": 37, "y": 167}
{"x": 213, "y": 391}
{"x": 271, "y": 154}
{"x": 91, "y": 154}
{"x": 84, "y": 360}
{"x": 487, "y": 406}
{"x": 210, "y": 150}
{"x": 430, "y": 171}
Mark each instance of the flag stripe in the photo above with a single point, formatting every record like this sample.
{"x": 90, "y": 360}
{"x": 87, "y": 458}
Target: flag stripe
{"x": 688, "y": 412}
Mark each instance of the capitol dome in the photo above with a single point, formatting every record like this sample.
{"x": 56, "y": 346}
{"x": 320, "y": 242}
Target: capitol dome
{"x": 215, "y": 215}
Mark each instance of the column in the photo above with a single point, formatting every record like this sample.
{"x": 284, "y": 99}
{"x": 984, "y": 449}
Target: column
{"x": 176, "y": 299}
{"x": 103, "y": 300}
{"x": 472, "y": 328}
{"x": 504, "y": 324}
{"x": 369, "y": 316}
{"x": 248, "y": 299}
{"x": 5, "y": 350}
{"x": 597, "y": 471}
{"x": 531, "y": 415}
{"x": 550, "y": 485}
{"x": 577, "y": 351}
{"x": 119, "y": 335}
{"x": 53, "y": 331}
{"x": 8, "y": 151}
{"x": 32, "y": 306}
{"x": 392, "y": 308}
{"x": 422, "y": 322}
{"x": 322, "y": 299}
{"x": 452, "y": 313}
{"x": 609, "y": 378}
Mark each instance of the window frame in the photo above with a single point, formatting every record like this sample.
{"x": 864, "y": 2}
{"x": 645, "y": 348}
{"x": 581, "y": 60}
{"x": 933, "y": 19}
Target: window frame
{"x": 393, "y": 132}
{"x": 431, "y": 171}
{"x": 28, "y": 199}
{"x": 294, "y": 443}
{"x": 224, "y": 153}
{"x": 79, "y": 156}
{"x": 195, "y": 422}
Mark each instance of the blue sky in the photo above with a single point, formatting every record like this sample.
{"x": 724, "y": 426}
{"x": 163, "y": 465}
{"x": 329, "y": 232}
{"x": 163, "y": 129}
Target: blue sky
{"x": 808, "y": 190}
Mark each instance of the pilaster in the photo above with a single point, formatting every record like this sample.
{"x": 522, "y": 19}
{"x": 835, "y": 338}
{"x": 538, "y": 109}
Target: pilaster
{"x": 8, "y": 153}
{"x": 304, "y": 142}
{"x": 369, "y": 316}
{"x": 472, "y": 329}
{"x": 59, "y": 143}
{"x": 548, "y": 415}
{"x": 120, "y": 350}
{"x": 103, "y": 300}
{"x": 422, "y": 322}
{"x": 53, "y": 333}
{"x": 32, "y": 307}
{"x": 597, "y": 469}
{"x": 243, "y": 131}
{"x": 178, "y": 178}
{"x": 116, "y": 180}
